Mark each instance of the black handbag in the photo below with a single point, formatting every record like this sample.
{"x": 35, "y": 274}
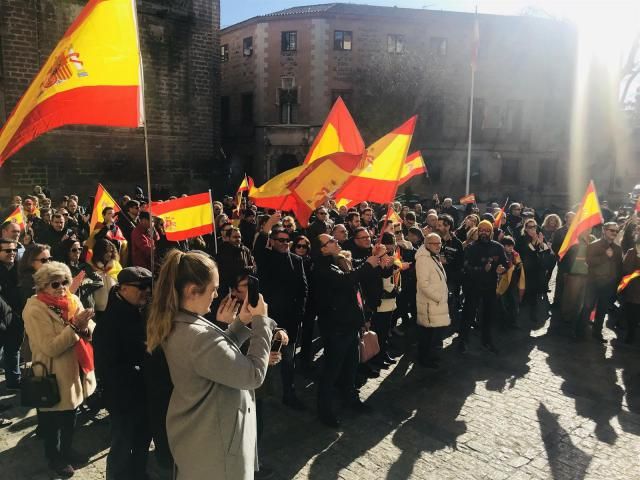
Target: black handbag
{"x": 39, "y": 392}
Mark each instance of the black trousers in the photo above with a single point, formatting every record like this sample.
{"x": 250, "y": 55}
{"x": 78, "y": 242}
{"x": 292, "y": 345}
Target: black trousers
{"x": 475, "y": 298}
{"x": 306, "y": 338}
{"x": 287, "y": 367}
{"x": 428, "y": 338}
{"x": 130, "y": 439}
{"x": 632, "y": 314}
{"x": 381, "y": 323}
{"x": 600, "y": 295}
{"x": 56, "y": 429}
{"x": 339, "y": 369}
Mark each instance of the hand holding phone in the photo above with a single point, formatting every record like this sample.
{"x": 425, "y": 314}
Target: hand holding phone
{"x": 253, "y": 290}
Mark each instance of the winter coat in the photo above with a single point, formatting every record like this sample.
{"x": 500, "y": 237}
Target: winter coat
{"x": 211, "y": 421}
{"x": 432, "y": 295}
{"x": 631, "y": 263}
{"x": 602, "y": 269}
{"x": 52, "y": 342}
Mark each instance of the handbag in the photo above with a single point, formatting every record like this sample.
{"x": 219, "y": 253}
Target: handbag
{"x": 369, "y": 346}
{"x": 39, "y": 392}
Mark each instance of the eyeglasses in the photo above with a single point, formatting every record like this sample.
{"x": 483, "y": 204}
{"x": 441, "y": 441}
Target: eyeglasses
{"x": 56, "y": 285}
{"x": 42, "y": 260}
{"x": 331, "y": 240}
{"x": 281, "y": 240}
{"x": 65, "y": 214}
{"x": 74, "y": 250}
{"x": 530, "y": 227}
{"x": 321, "y": 213}
{"x": 364, "y": 237}
{"x": 614, "y": 230}
{"x": 434, "y": 243}
{"x": 302, "y": 245}
{"x": 140, "y": 286}
{"x": 10, "y": 250}
{"x": 287, "y": 225}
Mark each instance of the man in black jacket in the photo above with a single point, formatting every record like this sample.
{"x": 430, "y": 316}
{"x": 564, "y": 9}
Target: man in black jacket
{"x": 233, "y": 257}
{"x": 452, "y": 258}
{"x": 484, "y": 260}
{"x": 120, "y": 342}
{"x": 284, "y": 286}
{"x": 340, "y": 317}
{"x": 13, "y": 335}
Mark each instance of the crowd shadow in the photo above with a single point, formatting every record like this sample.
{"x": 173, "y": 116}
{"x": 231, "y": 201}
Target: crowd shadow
{"x": 566, "y": 460}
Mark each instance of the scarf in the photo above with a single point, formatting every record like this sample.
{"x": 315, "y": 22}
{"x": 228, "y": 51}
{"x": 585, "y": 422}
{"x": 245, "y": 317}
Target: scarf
{"x": 65, "y": 307}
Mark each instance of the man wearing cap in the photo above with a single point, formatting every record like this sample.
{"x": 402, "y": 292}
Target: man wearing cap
{"x": 484, "y": 261}
{"x": 119, "y": 343}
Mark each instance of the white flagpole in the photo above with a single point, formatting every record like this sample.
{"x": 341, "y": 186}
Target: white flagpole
{"x": 473, "y": 78}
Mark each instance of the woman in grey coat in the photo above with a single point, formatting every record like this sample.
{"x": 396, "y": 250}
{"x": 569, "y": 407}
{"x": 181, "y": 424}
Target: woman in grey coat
{"x": 211, "y": 421}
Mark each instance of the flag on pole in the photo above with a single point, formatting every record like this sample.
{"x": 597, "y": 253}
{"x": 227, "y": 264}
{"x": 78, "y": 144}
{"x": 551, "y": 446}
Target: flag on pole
{"x": 102, "y": 200}
{"x": 587, "y": 217}
{"x": 185, "y": 217}
{"x": 92, "y": 77}
{"x": 392, "y": 216}
{"x": 275, "y": 192}
{"x": 245, "y": 186}
{"x": 384, "y": 165}
{"x": 499, "y": 215}
{"x": 338, "y": 134}
{"x": 414, "y": 165}
{"x": 17, "y": 217}
{"x": 626, "y": 280}
{"x": 467, "y": 199}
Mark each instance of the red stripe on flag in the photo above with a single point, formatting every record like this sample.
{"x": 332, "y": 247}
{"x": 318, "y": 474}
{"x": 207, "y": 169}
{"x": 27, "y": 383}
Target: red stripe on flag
{"x": 158, "y": 208}
{"x": 407, "y": 127}
{"x": 98, "y": 105}
{"x": 413, "y": 173}
{"x": 189, "y": 233}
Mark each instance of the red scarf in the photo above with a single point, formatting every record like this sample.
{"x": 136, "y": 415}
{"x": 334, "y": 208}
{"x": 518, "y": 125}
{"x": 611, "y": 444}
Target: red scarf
{"x": 66, "y": 309}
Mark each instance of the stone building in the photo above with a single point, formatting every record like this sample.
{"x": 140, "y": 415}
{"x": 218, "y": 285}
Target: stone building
{"x": 282, "y": 71}
{"x": 180, "y": 44}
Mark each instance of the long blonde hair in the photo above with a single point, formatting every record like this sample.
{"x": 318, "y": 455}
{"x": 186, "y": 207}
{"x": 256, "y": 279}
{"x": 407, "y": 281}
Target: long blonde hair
{"x": 178, "y": 270}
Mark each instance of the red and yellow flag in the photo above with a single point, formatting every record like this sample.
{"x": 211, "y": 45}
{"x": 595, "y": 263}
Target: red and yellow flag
{"x": 587, "y": 217}
{"x": 92, "y": 77}
{"x": 378, "y": 176}
{"x": 638, "y": 206}
{"x": 626, "y": 280}
{"x": 467, "y": 199}
{"x": 245, "y": 186}
{"x": 498, "y": 219}
{"x": 413, "y": 166}
{"x": 338, "y": 134}
{"x": 392, "y": 216}
{"x": 102, "y": 200}
{"x": 18, "y": 217}
{"x": 185, "y": 217}
{"x": 275, "y": 192}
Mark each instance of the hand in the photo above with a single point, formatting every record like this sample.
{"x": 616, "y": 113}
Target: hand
{"x": 81, "y": 320}
{"x": 500, "y": 270}
{"x": 379, "y": 250}
{"x": 373, "y": 261}
{"x": 227, "y": 310}
{"x": 405, "y": 265}
{"x": 77, "y": 281}
{"x": 282, "y": 336}
{"x": 487, "y": 267}
{"x": 387, "y": 261}
{"x": 443, "y": 259}
{"x": 261, "y": 309}
{"x": 541, "y": 237}
{"x": 274, "y": 358}
{"x": 64, "y": 237}
{"x": 609, "y": 252}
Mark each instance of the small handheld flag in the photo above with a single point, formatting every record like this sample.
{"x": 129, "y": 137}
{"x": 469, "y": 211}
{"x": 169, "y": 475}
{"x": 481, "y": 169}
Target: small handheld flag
{"x": 18, "y": 217}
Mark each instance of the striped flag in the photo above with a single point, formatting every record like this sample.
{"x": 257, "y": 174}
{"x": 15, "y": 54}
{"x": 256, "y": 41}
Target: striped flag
{"x": 102, "y": 200}
{"x": 467, "y": 199}
{"x": 626, "y": 280}
{"x": 17, "y": 217}
{"x": 587, "y": 217}
{"x": 185, "y": 217}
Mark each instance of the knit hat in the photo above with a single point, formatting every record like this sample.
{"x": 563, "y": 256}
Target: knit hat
{"x": 487, "y": 224}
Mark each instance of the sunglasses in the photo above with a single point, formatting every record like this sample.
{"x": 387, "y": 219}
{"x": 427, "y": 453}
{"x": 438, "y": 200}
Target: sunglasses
{"x": 140, "y": 286}
{"x": 75, "y": 250}
{"x": 321, "y": 213}
{"x": 281, "y": 240}
{"x": 331, "y": 240}
{"x": 10, "y": 250}
{"x": 56, "y": 285}
{"x": 43, "y": 260}
{"x": 287, "y": 225}
{"x": 302, "y": 245}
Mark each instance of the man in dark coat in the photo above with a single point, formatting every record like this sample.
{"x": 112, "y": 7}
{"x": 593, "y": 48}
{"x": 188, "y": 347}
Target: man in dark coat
{"x": 284, "y": 286}
{"x": 233, "y": 257}
{"x": 120, "y": 349}
{"x": 11, "y": 326}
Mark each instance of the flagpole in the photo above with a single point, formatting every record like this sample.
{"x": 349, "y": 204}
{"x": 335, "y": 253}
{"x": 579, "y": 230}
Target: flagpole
{"x": 473, "y": 79}
{"x": 213, "y": 220}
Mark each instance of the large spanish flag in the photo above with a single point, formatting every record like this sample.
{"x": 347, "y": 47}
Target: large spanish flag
{"x": 17, "y": 217}
{"x": 378, "y": 176}
{"x": 338, "y": 134}
{"x": 185, "y": 217}
{"x": 92, "y": 77}
{"x": 102, "y": 201}
{"x": 275, "y": 192}
{"x": 587, "y": 217}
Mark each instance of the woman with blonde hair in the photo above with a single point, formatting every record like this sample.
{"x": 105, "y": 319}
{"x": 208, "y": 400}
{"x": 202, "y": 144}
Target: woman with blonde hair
{"x": 105, "y": 261}
{"x": 212, "y": 407}
{"x": 472, "y": 236}
{"x": 470, "y": 222}
{"x": 550, "y": 224}
{"x": 59, "y": 331}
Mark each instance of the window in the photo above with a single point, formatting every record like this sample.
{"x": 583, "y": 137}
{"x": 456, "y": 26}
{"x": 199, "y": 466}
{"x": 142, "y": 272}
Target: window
{"x": 510, "y": 171}
{"x": 288, "y": 103}
{"x": 224, "y": 53}
{"x": 395, "y": 43}
{"x": 247, "y": 46}
{"x": 439, "y": 46}
{"x": 247, "y": 108}
{"x": 342, "y": 40}
{"x": 289, "y": 41}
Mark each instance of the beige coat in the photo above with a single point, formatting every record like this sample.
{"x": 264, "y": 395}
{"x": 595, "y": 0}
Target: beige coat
{"x": 52, "y": 343}
{"x": 211, "y": 421}
{"x": 432, "y": 293}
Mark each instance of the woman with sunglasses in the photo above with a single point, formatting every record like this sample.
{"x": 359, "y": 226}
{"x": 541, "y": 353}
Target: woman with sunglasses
{"x": 105, "y": 262}
{"x": 60, "y": 331}
{"x": 301, "y": 246}
{"x": 35, "y": 256}
{"x": 85, "y": 279}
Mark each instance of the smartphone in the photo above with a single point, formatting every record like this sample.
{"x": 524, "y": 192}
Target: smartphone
{"x": 276, "y": 345}
{"x": 253, "y": 290}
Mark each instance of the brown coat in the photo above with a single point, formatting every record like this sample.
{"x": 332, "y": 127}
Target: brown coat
{"x": 631, "y": 263}
{"x": 52, "y": 343}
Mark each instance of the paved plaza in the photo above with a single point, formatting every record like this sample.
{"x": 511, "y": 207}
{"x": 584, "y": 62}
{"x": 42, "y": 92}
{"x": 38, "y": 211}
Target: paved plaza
{"x": 546, "y": 407}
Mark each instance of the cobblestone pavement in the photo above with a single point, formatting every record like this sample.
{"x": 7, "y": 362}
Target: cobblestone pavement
{"x": 545, "y": 407}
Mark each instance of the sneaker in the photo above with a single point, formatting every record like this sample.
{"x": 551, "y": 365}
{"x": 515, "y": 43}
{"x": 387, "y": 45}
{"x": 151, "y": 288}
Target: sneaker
{"x": 76, "y": 459}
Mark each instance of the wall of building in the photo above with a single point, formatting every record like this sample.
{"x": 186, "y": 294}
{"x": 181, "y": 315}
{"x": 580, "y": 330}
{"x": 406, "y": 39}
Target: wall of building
{"x": 180, "y": 50}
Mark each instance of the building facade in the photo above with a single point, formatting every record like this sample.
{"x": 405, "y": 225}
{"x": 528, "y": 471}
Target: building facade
{"x": 180, "y": 50}
{"x": 281, "y": 73}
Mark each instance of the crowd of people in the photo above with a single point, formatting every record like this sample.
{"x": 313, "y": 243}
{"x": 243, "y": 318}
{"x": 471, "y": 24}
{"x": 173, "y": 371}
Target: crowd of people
{"x": 164, "y": 335}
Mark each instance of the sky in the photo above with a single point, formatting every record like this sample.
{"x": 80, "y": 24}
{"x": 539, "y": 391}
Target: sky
{"x": 234, "y": 11}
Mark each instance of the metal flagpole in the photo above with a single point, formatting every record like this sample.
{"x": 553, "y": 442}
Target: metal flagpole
{"x": 474, "y": 60}
{"x": 213, "y": 221}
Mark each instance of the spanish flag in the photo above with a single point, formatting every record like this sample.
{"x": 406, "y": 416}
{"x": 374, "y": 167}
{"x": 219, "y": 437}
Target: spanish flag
{"x": 587, "y": 217}
{"x": 18, "y": 217}
{"x": 338, "y": 134}
{"x": 245, "y": 186}
{"x": 275, "y": 192}
{"x": 626, "y": 280}
{"x": 185, "y": 217}
{"x": 467, "y": 199}
{"x": 102, "y": 201}
{"x": 413, "y": 166}
{"x": 92, "y": 77}
{"x": 378, "y": 175}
